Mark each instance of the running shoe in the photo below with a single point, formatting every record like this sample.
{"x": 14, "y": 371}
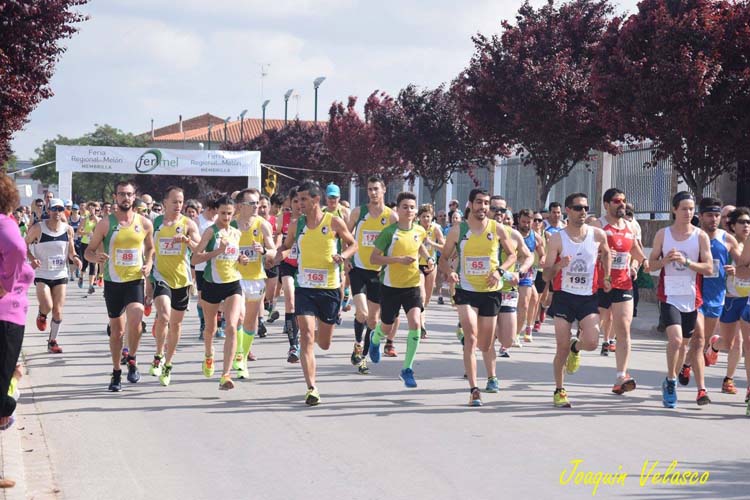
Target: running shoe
{"x": 262, "y": 330}
{"x": 440, "y": 301}
{"x": 560, "y": 399}
{"x": 54, "y": 348}
{"x": 542, "y": 315}
{"x": 273, "y": 316}
{"x": 702, "y": 398}
{"x": 133, "y": 374}
{"x": 242, "y": 372}
{"x": 605, "y": 349}
{"x": 493, "y": 385}
{"x": 41, "y": 322}
{"x": 156, "y": 366}
{"x": 503, "y": 352}
{"x": 668, "y": 394}
{"x": 91, "y": 289}
{"x": 124, "y": 356}
{"x": 339, "y": 320}
{"x": 239, "y": 359}
{"x": 390, "y": 350}
{"x": 220, "y": 333}
{"x": 312, "y": 397}
{"x": 728, "y": 387}
{"x": 374, "y": 350}
{"x": 208, "y": 366}
{"x": 747, "y": 395}
{"x": 115, "y": 383}
{"x": 475, "y": 399}
{"x": 527, "y": 335}
{"x": 356, "y": 357}
{"x": 100, "y": 281}
{"x": 612, "y": 346}
{"x": 624, "y": 385}
{"x": 80, "y": 282}
{"x": 516, "y": 342}
{"x": 251, "y": 356}
{"x": 293, "y": 355}
{"x": 346, "y": 305}
{"x": 225, "y": 383}
{"x": 537, "y": 327}
{"x": 460, "y": 334}
{"x": 147, "y": 309}
{"x": 423, "y": 333}
{"x": 407, "y": 376}
{"x": 684, "y": 375}
{"x": 166, "y": 375}
{"x": 710, "y": 355}
{"x": 573, "y": 363}
{"x": 363, "y": 369}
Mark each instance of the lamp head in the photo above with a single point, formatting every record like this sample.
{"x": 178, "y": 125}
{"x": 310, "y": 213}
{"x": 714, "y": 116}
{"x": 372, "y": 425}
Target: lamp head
{"x": 318, "y": 81}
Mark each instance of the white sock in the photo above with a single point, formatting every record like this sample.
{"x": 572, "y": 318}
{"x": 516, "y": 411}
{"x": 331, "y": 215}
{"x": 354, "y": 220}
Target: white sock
{"x": 54, "y": 329}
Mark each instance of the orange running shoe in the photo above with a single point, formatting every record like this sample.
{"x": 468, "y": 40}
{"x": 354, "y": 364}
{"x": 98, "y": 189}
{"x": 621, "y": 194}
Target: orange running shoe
{"x": 41, "y": 322}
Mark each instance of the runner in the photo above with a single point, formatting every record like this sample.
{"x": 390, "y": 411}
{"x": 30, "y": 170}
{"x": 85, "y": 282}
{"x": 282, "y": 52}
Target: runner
{"x": 219, "y": 249}
{"x": 724, "y": 250}
{"x": 272, "y": 272}
{"x": 552, "y": 225}
{"x": 433, "y": 243}
{"x": 287, "y": 262}
{"x": 256, "y": 242}
{"x": 478, "y": 277}
{"x": 539, "y": 284}
{"x": 683, "y": 254}
{"x": 527, "y": 292}
{"x": 333, "y": 195}
{"x": 175, "y": 236}
{"x": 572, "y": 265}
{"x": 50, "y": 247}
{"x": 74, "y": 221}
{"x": 616, "y": 306}
{"x": 123, "y": 245}
{"x": 85, "y": 231}
{"x": 317, "y": 297}
{"x": 365, "y": 223}
{"x": 397, "y": 250}
{"x": 205, "y": 220}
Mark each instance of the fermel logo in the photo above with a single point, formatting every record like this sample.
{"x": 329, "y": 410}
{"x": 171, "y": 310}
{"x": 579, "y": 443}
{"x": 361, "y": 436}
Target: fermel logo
{"x": 151, "y": 159}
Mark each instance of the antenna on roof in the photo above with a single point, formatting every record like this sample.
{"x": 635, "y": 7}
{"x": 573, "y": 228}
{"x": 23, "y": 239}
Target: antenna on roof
{"x": 263, "y": 75}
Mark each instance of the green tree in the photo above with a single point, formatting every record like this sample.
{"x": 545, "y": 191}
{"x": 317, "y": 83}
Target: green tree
{"x": 9, "y": 165}
{"x": 86, "y": 186}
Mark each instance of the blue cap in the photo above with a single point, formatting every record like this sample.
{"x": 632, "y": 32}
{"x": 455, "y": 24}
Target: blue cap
{"x": 75, "y": 206}
{"x": 333, "y": 191}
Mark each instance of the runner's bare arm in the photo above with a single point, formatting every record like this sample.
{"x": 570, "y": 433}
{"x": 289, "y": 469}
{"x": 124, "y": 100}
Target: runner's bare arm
{"x": 92, "y": 253}
{"x": 72, "y": 255}
{"x": 510, "y": 249}
{"x": 734, "y": 248}
{"x": 449, "y": 250}
{"x": 554, "y": 248}
{"x": 200, "y": 255}
{"x": 605, "y": 257}
{"x": 540, "y": 250}
{"x": 148, "y": 246}
{"x": 655, "y": 262}
{"x": 282, "y": 251}
{"x": 525, "y": 257}
{"x": 194, "y": 236}
{"x": 744, "y": 260}
{"x": 268, "y": 242}
{"x": 353, "y": 218}
{"x": 32, "y": 236}
{"x": 706, "y": 264}
{"x": 338, "y": 225}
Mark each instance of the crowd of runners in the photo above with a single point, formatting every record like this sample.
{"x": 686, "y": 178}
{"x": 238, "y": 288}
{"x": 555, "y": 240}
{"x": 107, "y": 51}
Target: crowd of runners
{"x": 236, "y": 254}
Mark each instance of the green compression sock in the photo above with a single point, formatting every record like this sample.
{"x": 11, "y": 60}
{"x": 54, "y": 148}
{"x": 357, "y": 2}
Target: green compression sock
{"x": 247, "y": 341}
{"x": 378, "y": 335}
{"x": 412, "y": 343}
{"x": 240, "y": 342}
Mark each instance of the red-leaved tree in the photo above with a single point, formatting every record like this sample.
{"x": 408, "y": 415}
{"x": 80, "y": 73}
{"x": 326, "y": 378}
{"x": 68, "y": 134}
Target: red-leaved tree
{"x": 353, "y": 144}
{"x": 30, "y": 32}
{"x": 425, "y": 130}
{"x": 530, "y": 89}
{"x": 677, "y": 72}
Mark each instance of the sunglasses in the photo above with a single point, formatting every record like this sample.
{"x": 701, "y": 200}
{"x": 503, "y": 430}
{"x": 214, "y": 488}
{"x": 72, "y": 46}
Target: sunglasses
{"x": 56, "y": 209}
{"x": 40, "y": 206}
{"x": 743, "y": 221}
{"x": 579, "y": 208}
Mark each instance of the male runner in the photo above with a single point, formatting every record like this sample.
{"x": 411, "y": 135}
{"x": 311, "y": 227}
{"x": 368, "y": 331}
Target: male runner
{"x": 256, "y": 242}
{"x": 683, "y": 254}
{"x": 527, "y": 293}
{"x": 272, "y": 271}
{"x": 123, "y": 245}
{"x": 175, "y": 238}
{"x": 478, "y": 278}
{"x": 365, "y": 223}
{"x": 85, "y": 231}
{"x": 333, "y": 196}
{"x": 287, "y": 262}
{"x": 616, "y": 306}
{"x": 572, "y": 265}
{"x": 397, "y": 250}
{"x": 552, "y": 225}
{"x": 317, "y": 297}
{"x": 50, "y": 246}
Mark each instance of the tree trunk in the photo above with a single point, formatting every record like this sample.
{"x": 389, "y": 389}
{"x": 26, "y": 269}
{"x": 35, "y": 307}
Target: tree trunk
{"x": 542, "y": 190}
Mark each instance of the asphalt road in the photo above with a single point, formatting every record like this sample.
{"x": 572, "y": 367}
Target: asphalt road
{"x": 370, "y": 437}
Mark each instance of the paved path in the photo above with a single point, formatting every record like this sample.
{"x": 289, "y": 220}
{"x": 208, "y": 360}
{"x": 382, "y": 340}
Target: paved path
{"x": 370, "y": 437}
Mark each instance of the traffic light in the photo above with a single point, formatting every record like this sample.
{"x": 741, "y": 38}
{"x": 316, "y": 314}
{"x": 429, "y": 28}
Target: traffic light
{"x": 271, "y": 183}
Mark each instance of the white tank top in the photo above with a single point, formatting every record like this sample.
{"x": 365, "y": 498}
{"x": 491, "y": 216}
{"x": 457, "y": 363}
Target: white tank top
{"x": 52, "y": 252}
{"x": 579, "y": 277}
{"x": 203, "y": 224}
{"x": 678, "y": 285}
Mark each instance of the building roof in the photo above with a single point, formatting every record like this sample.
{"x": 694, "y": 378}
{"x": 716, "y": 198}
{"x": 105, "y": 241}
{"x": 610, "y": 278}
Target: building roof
{"x": 252, "y": 127}
{"x": 193, "y": 123}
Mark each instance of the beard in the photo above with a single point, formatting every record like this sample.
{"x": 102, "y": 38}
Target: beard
{"x": 124, "y": 206}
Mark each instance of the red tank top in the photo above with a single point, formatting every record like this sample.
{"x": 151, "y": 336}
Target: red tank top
{"x": 285, "y": 221}
{"x": 620, "y": 242}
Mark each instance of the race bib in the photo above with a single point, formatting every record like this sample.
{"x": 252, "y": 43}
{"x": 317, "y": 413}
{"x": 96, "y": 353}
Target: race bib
{"x": 369, "y": 237}
{"x": 313, "y": 278}
{"x": 477, "y": 266}
{"x": 250, "y": 253}
{"x": 715, "y": 273}
{"x": 128, "y": 257}
{"x": 576, "y": 283}
{"x": 294, "y": 253}
{"x": 56, "y": 262}
{"x": 510, "y": 299}
{"x": 167, "y": 246}
{"x": 679, "y": 285}
{"x": 620, "y": 260}
{"x": 230, "y": 253}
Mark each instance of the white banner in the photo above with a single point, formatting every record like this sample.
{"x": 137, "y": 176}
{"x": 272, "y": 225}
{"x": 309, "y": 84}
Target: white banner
{"x": 157, "y": 161}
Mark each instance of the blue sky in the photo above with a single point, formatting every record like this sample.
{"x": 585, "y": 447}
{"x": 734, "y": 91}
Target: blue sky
{"x": 140, "y": 59}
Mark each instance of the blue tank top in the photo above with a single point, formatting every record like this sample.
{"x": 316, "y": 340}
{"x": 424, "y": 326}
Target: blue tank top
{"x": 714, "y": 286}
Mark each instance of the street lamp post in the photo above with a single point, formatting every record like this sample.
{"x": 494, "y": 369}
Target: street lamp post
{"x": 226, "y": 122}
{"x": 242, "y": 125}
{"x": 286, "y": 103}
{"x": 265, "y": 103}
{"x": 316, "y": 84}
